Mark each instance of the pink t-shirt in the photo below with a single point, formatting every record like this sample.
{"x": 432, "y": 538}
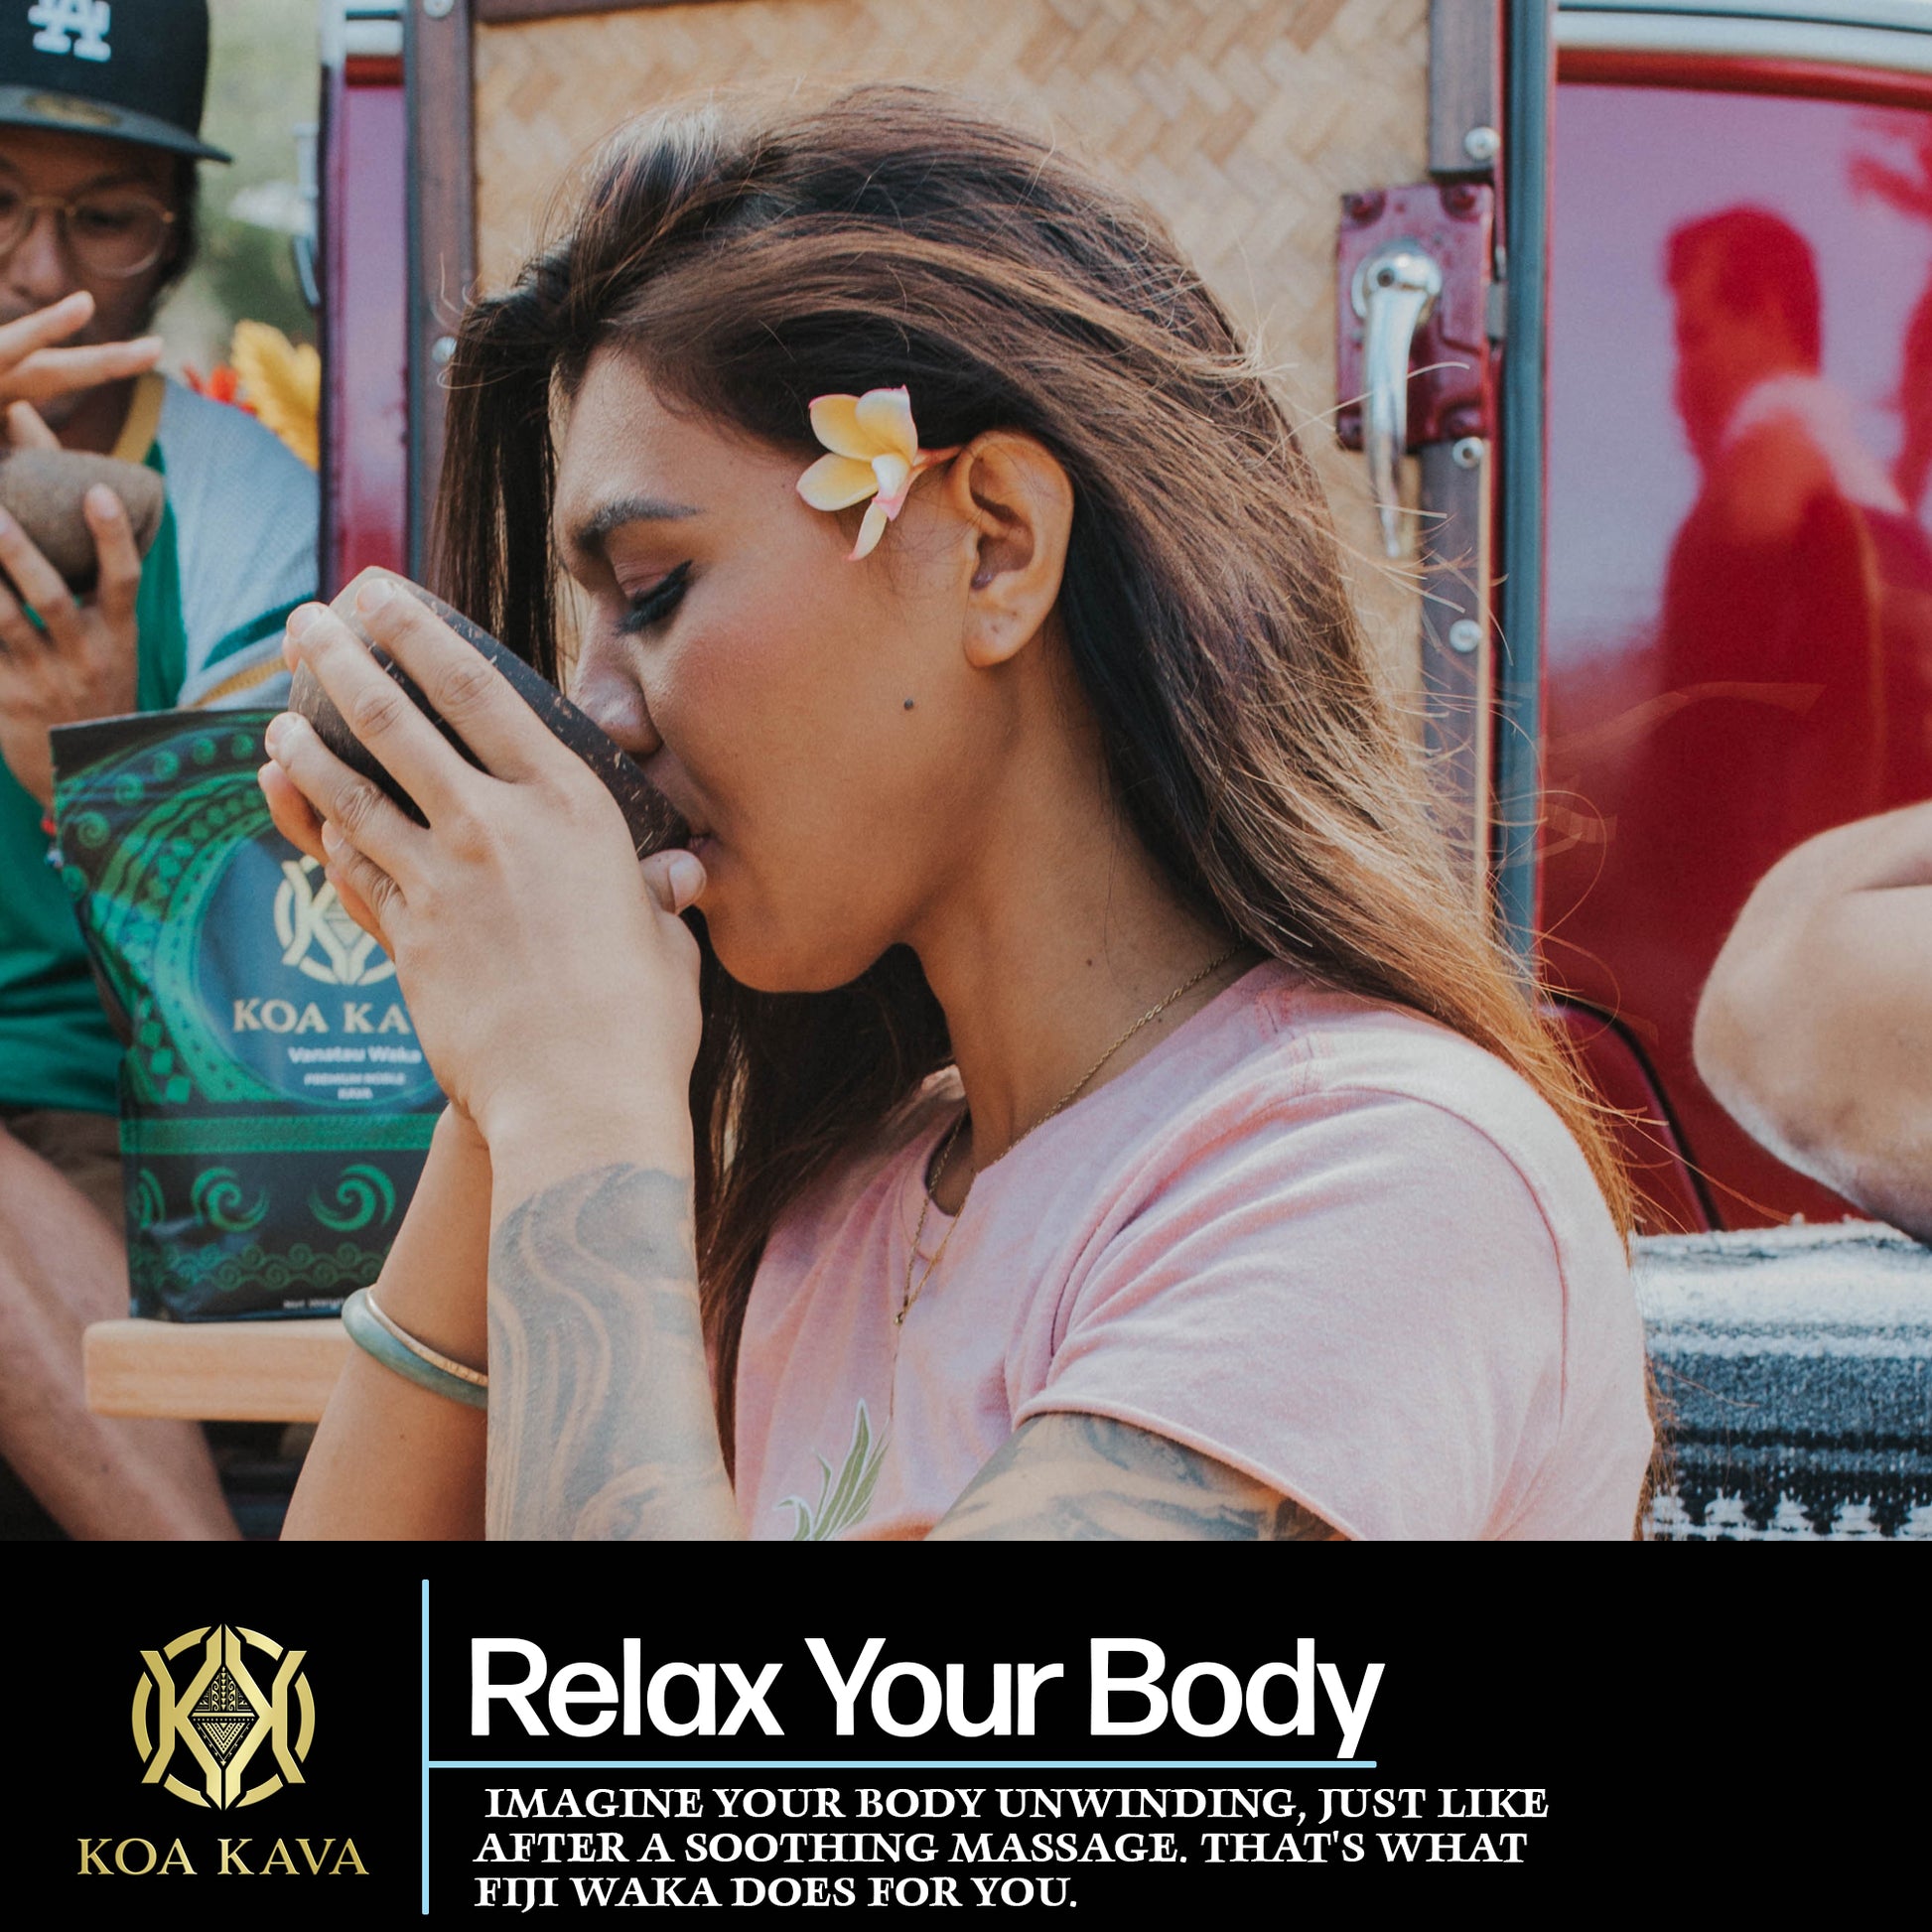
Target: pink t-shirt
{"x": 1324, "y": 1240}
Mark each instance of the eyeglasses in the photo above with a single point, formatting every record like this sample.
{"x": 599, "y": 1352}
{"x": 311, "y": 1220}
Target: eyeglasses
{"x": 114, "y": 233}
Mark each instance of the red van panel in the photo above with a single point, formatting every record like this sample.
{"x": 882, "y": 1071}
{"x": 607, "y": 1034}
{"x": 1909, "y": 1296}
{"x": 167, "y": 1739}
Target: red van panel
{"x": 1739, "y": 646}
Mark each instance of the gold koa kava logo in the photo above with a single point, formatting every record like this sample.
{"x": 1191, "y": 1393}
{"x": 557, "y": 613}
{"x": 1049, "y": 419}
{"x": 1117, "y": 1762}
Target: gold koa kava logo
{"x": 222, "y": 1718}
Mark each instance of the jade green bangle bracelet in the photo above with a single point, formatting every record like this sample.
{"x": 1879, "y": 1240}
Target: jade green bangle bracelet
{"x": 369, "y": 1333}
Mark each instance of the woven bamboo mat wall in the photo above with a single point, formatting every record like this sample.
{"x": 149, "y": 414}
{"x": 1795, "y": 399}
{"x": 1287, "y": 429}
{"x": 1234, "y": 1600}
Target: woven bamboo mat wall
{"x": 1241, "y": 120}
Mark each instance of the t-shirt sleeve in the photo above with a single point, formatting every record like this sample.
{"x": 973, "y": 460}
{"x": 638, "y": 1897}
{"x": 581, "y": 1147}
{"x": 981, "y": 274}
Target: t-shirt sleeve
{"x": 247, "y": 513}
{"x": 1355, "y": 1298}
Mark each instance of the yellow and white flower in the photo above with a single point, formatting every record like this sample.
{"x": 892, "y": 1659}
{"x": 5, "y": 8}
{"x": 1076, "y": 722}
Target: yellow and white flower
{"x": 282, "y": 384}
{"x": 875, "y": 453}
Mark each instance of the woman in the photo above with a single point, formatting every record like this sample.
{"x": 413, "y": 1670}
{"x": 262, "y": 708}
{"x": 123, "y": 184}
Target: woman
{"x": 1084, "y": 1105}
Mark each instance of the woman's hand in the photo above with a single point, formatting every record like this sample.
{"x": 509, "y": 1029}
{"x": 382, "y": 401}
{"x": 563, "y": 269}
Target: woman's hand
{"x": 546, "y": 972}
{"x": 82, "y": 663}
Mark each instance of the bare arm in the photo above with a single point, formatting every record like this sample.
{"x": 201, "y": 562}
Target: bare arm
{"x": 392, "y": 1459}
{"x": 1079, "y": 1479}
{"x": 601, "y": 1423}
{"x": 1815, "y": 1029}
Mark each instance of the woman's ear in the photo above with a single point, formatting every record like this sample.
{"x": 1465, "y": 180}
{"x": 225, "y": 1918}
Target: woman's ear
{"x": 1016, "y": 504}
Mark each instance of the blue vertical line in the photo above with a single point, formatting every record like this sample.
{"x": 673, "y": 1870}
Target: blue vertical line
{"x": 425, "y": 1670}
{"x": 1519, "y": 724}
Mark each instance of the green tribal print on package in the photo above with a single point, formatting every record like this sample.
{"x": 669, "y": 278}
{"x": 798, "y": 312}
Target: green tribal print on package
{"x": 275, "y": 1105}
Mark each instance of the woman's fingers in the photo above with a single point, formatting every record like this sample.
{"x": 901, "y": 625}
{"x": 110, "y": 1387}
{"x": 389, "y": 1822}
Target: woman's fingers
{"x": 297, "y": 821}
{"x": 380, "y": 713}
{"x": 674, "y": 879}
{"x": 295, "y": 818}
{"x": 360, "y": 884}
{"x": 463, "y": 687}
{"x": 359, "y": 809}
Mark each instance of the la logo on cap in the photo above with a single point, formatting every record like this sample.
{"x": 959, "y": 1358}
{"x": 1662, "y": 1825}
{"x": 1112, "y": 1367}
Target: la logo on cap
{"x": 76, "y": 26}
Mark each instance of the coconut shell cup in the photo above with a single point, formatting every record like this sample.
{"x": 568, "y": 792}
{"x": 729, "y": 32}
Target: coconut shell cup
{"x": 654, "y": 824}
{"x": 42, "y": 490}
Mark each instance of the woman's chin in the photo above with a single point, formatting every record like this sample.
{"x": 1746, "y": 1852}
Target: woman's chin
{"x": 760, "y": 966}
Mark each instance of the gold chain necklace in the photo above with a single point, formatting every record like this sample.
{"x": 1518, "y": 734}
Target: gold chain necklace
{"x": 913, "y": 1292}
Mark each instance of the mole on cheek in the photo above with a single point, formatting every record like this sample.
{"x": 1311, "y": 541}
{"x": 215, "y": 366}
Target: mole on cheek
{"x": 909, "y": 704}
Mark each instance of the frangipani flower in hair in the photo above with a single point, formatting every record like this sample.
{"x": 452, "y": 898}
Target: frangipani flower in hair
{"x": 875, "y": 453}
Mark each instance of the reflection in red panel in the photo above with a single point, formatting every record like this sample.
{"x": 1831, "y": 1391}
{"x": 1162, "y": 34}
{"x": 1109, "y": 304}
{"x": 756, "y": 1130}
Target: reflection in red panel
{"x": 1739, "y": 626}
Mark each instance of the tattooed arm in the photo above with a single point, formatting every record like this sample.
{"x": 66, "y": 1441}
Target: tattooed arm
{"x": 1079, "y": 1479}
{"x": 600, "y": 1422}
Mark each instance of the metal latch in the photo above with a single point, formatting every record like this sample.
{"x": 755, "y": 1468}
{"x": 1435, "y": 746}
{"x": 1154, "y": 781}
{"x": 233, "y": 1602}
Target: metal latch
{"x": 1413, "y": 350}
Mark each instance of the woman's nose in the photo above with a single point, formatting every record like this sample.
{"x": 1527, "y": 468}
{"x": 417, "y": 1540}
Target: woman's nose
{"x": 608, "y": 692}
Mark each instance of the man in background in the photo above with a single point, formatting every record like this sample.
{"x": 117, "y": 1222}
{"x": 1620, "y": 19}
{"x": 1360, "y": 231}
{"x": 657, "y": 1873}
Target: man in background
{"x": 1798, "y": 604}
{"x": 100, "y": 111}
{"x": 1772, "y": 636}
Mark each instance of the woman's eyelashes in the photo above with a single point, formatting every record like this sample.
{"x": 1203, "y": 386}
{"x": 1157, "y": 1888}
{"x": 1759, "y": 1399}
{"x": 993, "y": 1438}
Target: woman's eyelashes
{"x": 652, "y": 607}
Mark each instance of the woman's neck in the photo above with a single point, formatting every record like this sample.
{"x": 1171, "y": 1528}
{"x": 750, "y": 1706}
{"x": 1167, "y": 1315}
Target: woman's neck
{"x": 1062, "y": 935}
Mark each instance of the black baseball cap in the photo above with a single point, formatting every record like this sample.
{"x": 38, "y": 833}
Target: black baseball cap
{"x": 127, "y": 73}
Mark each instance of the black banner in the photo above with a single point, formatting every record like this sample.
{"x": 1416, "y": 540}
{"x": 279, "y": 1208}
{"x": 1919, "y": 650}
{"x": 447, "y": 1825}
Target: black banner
{"x": 1018, "y": 1733}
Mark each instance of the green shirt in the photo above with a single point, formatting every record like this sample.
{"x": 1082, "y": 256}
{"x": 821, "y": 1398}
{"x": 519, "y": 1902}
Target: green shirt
{"x": 234, "y": 554}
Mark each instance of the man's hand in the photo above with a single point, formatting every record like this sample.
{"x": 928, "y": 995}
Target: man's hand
{"x": 32, "y": 369}
{"x": 82, "y": 664}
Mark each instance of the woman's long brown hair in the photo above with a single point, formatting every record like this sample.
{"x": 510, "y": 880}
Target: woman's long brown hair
{"x": 897, "y": 237}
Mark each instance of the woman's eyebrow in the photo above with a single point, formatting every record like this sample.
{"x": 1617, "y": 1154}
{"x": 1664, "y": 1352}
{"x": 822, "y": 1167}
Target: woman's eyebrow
{"x": 586, "y": 538}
